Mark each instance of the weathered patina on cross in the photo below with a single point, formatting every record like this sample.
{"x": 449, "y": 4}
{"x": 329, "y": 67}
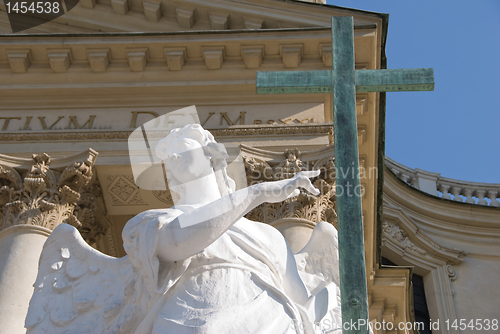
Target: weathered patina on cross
{"x": 344, "y": 81}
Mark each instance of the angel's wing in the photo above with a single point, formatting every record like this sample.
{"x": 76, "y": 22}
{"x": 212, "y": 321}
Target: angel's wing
{"x": 79, "y": 290}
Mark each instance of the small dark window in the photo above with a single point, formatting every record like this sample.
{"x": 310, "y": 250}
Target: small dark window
{"x": 420, "y": 304}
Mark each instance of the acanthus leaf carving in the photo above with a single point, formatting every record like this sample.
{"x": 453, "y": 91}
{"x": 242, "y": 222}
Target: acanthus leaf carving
{"x": 315, "y": 209}
{"x": 47, "y": 197}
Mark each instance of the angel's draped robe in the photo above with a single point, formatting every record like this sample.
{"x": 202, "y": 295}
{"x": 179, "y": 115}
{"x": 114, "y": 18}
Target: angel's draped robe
{"x": 234, "y": 286}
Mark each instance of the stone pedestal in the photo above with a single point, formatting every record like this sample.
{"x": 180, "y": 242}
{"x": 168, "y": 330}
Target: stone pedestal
{"x": 35, "y": 196}
{"x": 20, "y": 248}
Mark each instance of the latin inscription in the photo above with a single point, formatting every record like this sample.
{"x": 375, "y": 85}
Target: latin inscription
{"x": 137, "y": 118}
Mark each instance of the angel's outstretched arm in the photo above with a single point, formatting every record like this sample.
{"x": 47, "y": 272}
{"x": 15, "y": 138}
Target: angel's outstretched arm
{"x": 190, "y": 233}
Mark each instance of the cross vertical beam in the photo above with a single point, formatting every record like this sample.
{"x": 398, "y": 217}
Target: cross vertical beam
{"x": 343, "y": 81}
{"x": 353, "y": 290}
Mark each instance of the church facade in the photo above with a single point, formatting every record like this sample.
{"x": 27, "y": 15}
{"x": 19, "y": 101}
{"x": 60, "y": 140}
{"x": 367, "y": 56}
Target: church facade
{"x": 73, "y": 94}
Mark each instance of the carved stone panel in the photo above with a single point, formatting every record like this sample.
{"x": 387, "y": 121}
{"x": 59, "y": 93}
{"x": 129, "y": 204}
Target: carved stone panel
{"x": 396, "y": 233}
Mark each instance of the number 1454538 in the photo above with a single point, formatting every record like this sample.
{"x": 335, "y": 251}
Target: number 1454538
{"x": 474, "y": 324}
{"x": 39, "y": 7}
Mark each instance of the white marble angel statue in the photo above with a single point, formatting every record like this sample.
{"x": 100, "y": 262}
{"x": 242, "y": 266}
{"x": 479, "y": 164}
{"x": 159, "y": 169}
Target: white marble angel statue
{"x": 198, "y": 267}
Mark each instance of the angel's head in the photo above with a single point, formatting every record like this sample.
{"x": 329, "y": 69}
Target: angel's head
{"x": 191, "y": 153}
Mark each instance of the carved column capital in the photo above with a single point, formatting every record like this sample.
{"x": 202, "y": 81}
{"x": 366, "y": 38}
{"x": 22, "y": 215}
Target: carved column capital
{"x": 265, "y": 166}
{"x": 35, "y": 193}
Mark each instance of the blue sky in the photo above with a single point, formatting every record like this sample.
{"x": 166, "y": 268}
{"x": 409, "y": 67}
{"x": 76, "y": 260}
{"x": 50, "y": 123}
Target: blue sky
{"x": 454, "y": 130}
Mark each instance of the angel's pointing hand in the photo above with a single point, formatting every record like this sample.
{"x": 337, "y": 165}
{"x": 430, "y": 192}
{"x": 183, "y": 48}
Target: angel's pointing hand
{"x": 279, "y": 191}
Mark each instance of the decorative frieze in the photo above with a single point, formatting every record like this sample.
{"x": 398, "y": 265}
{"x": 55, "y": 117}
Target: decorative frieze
{"x": 305, "y": 206}
{"x": 58, "y": 58}
{"x": 48, "y": 197}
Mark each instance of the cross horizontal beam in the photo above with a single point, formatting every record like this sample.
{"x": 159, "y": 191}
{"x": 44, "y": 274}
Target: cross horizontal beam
{"x": 300, "y": 82}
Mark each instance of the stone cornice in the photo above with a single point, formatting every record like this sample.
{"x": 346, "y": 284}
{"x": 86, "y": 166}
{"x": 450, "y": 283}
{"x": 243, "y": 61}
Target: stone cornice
{"x": 459, "y": 218}
{"x": 76, "y": 61}
{"x": 147, "y": 15}
{"x": 150, "y": 64}
{"x": 431, "y": 183}
{"x": 80, "y": 48}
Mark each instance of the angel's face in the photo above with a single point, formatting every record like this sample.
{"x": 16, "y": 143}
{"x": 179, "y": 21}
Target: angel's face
{"x": 187, "y": 160}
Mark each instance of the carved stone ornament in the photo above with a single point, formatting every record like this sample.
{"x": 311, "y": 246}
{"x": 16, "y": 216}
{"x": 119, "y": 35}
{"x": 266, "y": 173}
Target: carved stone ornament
{"x": 47, "y": 197}
{"x": 198, "y": 267}
{"x": 123, "y": 190}
{"x": 452, "y": 272}
{"x": 399, "y": 235}
{"x": 313, "y": 208}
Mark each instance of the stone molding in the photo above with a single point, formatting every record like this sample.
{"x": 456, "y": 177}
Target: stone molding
{"x": 25, "y": 228}
{"x": 401, "y": 232}
{"x": 103, "y": 52}
{"x": 431, "y": 183}
{"x": 37, "y": 194}
{"x": 98, "y": 54}
{"x": 442, "y": 216}
{"x": 265, "y": 166}
{"x": 306, "y": 129}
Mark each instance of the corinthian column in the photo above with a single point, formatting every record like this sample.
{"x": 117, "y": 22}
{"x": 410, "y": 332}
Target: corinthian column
{"x": 36, "y": 196}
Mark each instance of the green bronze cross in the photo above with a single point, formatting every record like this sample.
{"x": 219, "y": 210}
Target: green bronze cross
{"x": 344, "y": 81}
